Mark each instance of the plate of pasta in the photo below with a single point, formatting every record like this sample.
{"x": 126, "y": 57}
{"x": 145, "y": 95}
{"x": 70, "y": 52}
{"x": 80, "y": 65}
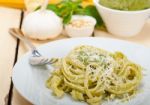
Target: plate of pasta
{"x": 90, "y": 71}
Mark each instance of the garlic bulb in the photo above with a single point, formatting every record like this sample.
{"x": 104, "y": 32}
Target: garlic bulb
{"x": 42, "y": 24}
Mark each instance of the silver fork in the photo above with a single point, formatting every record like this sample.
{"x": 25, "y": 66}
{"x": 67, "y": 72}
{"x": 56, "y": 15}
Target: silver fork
{"x": 36, "y": 58}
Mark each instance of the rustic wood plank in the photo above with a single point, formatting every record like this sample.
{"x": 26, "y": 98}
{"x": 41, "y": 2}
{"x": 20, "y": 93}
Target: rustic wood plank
{"x": 17, "y": 99}
{"x": 8, "y": 18}
{"x": 142, "y": 38}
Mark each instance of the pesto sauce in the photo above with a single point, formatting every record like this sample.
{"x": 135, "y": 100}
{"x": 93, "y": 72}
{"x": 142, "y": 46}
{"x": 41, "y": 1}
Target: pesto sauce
{"x": 126, "y": 5}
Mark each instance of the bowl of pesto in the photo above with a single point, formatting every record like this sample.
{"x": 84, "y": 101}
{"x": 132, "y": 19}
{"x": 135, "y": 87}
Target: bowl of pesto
{"x": 124, "y": 18}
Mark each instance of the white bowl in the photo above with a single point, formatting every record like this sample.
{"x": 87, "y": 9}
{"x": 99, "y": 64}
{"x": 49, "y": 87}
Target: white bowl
{"x": 83, "y": 31}
{"x": 122, "y": 23}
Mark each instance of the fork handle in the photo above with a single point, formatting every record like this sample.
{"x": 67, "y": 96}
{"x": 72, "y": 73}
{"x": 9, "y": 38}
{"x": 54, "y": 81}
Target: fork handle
{"x": 18, "y": 33}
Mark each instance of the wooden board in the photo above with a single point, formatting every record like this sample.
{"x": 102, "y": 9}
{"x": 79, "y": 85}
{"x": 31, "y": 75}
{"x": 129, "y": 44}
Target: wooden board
{"x": 17, "y": 99}
{"x": 8, "y": 18}
{"x": 142, "y": 38}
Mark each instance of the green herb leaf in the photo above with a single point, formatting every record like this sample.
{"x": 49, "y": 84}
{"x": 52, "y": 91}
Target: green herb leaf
{"x": 67, "y": 18}
{"x": 54, "y": 8}
{"x": 66, "y": 8}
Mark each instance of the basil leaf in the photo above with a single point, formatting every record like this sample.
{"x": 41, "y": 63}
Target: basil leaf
{"x": 67, "y": 18}
{"x": 66, "y": 8}
{"x": 54, "y": 8}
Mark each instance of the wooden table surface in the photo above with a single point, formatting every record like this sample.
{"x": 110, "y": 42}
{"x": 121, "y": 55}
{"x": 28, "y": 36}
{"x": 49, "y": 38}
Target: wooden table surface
{"x": 11, "y": 49}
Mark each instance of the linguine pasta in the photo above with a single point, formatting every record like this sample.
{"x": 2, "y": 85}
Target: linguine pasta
{"x": 94, "y": 75}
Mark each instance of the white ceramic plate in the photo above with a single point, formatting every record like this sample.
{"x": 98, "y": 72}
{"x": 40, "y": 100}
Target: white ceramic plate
{"x": 30, "y": 80}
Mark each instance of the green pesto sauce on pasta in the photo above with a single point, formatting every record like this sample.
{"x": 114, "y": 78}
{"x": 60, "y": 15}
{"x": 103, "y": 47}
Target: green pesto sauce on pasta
{"x": 95, "y": 75}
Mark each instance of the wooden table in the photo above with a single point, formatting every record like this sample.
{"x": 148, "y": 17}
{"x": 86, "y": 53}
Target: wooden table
{"x": 11, "y": 49}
